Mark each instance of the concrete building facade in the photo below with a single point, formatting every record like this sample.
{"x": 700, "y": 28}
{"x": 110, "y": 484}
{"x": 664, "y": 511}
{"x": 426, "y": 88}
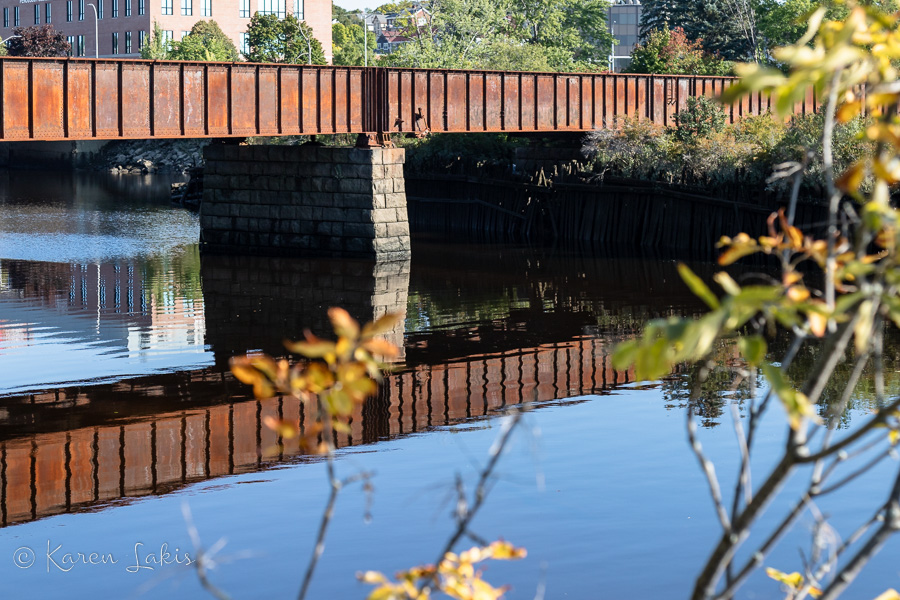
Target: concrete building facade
{"x": 624, "y": 24}
{"x": 123, "y": 26}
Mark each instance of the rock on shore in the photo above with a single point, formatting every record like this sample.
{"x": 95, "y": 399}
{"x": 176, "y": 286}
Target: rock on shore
{"x": 150, "y": 156}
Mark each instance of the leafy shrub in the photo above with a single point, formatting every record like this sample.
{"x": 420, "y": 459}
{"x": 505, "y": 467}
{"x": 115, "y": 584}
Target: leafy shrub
{"x": 634, "y": 148}
{"x": 701, "y": 117}
{"x": 702, "y": 150}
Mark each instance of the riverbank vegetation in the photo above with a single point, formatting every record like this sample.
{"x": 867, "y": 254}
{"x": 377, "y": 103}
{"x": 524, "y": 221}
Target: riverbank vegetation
{"x": 702, "y": 150}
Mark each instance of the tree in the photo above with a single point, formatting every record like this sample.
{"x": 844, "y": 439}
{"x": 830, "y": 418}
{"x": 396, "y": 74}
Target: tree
{"x": 285, "y": 40}
{"x": 347, "y": 44}
{"x": 525, "y": 35}
{"x": 38, "y": 40}
{"x": 666, "y": 52}
{"x": 836, "y": 299}
{"x": 157, "y": 47}
{"x": 345, "y": 17}
{"x": 206, "y": 41}
{"x": 394, "y": 7}
{"x": 456, "y": 36}
{"x": 574, "y": 31}
{"x": 725, "y": 27}
{"x": 657, "y": 15}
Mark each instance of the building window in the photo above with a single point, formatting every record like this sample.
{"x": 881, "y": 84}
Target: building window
{"x": 142, "y": 39}
{"x": 71, "y": 40}
{"x": 245, "y": 9}
{"x": 245, "y": 43}
{"x": 187, "y": 8}
{"x": 272, "y": 7}
{"x": 99, "y": 9}
{"x": 37, "y": 14}
{"x": 167, "y": 36}
{"x": 115, "y": 42}
{"x": 47, "y": 13}
{"x": 16, "y": 16}
{"x": 299, "y": 9}
{"x": 167, "y": 7}
{"x": 69, "y": 10}
{"x": 115, "y": 9}
{"x": 127, "y": 8}
{"x": 141, "y": 9}
{"x": 81, "y": 10}
{"x": 79, "y": 48}
{"x": 206, "y": 10}
{"x": 6, "y": 17}
{"x": 127, "y": 42}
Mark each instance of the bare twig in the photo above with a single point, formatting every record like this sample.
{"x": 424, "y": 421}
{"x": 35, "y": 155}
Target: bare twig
{"x": 834, "y": 196}
{"x": 744, "y": 483}
{"x": 709, "y": 470}
{"x": 336, "y": 485}
{"x": 890, "y": 525}
{"x": 203, "y": 561}
{"x": 464, "y": 512}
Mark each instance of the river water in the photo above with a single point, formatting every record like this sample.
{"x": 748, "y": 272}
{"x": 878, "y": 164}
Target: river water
{"x": 117, "y": 412}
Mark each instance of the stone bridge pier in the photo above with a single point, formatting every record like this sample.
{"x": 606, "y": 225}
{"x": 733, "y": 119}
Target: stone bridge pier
{"x": 305, "y": 200}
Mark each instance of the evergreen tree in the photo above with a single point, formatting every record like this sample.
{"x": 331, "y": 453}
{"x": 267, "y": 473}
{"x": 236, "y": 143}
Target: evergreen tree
{"x": 713, "y": 23}
{"x": 657, "y": 15}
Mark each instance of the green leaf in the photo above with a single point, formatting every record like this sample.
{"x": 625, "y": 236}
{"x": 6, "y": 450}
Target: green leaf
{"x": 727, "y": 283}
{"x": 753, "y": 348}
{"x": 625, "y": 354}
{"x": 651, "y": 362}
{"x": 700, "y": 289}
{"x": 796, "y": 404}
{"x": 863, "y": 329}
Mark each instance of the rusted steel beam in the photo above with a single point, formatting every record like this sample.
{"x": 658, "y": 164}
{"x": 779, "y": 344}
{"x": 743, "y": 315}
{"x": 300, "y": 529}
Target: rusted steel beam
{"x": 82, "y": 99}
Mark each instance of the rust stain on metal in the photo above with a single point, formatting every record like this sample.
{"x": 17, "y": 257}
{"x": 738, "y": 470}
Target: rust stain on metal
{"x": 268, "y": 101}
{"x": 218, "y": 98}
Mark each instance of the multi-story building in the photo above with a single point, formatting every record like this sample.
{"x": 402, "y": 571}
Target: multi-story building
{"x": 123, "y": 26}
{"x": 624, "y": 24}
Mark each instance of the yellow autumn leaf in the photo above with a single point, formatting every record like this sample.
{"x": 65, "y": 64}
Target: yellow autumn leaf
{"x": 794, "y": 580}
{"x": 344, "y": 325}
{"x": 382, "y": 325}
{"x": 284, "y": 429}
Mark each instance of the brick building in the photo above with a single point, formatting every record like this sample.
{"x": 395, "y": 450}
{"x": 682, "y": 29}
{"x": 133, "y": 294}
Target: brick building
{"x": 123, "y": 26}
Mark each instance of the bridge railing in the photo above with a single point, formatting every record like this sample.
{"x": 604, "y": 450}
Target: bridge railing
{"x": 82, "y": 99}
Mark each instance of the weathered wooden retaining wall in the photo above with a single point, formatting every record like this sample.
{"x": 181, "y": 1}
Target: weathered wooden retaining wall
{"x": 621, "y": 213}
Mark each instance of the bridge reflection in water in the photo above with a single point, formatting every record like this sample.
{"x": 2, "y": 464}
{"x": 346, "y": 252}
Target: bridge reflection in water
{"x": 49, "y": 473}
{"x": 81, "y": 448}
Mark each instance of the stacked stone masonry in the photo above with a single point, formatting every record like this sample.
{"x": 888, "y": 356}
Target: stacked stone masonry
{"x": 305, "y": 200}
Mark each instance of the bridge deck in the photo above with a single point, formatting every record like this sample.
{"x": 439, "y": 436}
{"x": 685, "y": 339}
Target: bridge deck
{"x": 86, "y": 99}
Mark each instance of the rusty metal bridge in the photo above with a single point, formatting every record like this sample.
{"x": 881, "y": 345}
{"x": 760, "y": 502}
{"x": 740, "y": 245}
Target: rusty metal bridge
{"x": 46, "y": 99}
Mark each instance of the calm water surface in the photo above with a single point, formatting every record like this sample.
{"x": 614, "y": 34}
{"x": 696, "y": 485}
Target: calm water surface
{"x": 117, "y": 410}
